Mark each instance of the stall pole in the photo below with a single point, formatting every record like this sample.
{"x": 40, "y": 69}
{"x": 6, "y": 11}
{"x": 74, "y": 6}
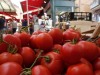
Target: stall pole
{"x": 53, "y": 11}
{"x": 27, "y": 15}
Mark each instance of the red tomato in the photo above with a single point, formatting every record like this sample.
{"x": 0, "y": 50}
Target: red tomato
{"x": 57, "y": 35}
{"x": 71, "y": 53}
{"x": 24, "y": 37}
{"x": 8, "y": 57}
{"x": 89, "y": 49}
{"x": 70, "y": 35}
{"x": 73, "y": 30}
{"x": 3, "y": 47}
{"x": 10, "y": 68}
{"x": 98, "y": 42}
{"x": 99, "y": 51}
{"x": 83, "y": 60}
{"x": 79, "y": 69}
{"x": 28, "y": 56}
{"x": 32, "y": 42}
{"x": 57, "y": 48}
{"x": 96, "y": 64}
{"x": 40, "y": 70}
{"x": 97, "y": 72}
{"x": 44, "y": 42}
{"x": 53, "y": 62}
{"x": 13, "y": 40}
{"x": 37, "y": 32}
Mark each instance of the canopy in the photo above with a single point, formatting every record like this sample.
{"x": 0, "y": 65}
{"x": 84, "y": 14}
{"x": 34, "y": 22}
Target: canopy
{"x": 7, "y": 8}
{"x": 32, "y": 5}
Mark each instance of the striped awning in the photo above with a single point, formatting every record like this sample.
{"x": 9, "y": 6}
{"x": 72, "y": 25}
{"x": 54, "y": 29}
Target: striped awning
{"x": 7, "y": 7}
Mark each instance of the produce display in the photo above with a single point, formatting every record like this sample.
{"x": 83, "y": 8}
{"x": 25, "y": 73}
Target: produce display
{"x": 55, "y": 52}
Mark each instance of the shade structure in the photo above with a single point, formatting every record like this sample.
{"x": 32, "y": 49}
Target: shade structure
{"x": 33, "y": 6}
{"x": 7, "y": 8}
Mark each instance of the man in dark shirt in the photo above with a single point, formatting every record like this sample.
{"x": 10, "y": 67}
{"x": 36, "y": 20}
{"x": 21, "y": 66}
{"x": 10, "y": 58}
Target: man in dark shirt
{"x": 24, "y": 22}
{"x": 2, "y": 21}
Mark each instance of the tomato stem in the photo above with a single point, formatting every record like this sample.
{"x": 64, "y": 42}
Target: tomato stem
{"x": 26, "y": 71}
{"x": 56, "y": 50}
{"x": 12, "y": 49}
{"x": 74, "y": 41}
{"x": 47, "y": 58}
{"x": 39, "y": 55}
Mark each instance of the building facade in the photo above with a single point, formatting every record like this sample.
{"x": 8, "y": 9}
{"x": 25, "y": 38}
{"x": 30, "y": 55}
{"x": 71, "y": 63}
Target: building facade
{"x": 58, "y": 6}
{"x": 95, "y": 8}
{"x": 83, "y": 5}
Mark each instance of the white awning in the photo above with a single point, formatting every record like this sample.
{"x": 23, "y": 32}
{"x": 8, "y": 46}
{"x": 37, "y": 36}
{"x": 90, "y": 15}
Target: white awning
{"x": 6, "y": 6}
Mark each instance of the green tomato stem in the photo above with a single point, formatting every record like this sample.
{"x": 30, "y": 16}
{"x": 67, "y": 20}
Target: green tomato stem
{"x": 47, "y": 58}
{"x": 74, "y": 41}
{"x": 36, "y": 59}
{"x": 27, "y": 71}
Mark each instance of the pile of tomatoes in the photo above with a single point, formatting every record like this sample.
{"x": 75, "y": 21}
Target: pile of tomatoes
{"x": 55, "y": 52}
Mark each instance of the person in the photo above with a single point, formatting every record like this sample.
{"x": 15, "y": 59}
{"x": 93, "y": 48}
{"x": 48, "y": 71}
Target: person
{"x": 24, "y": 22}
{"x": 9, "y": 26}
{"x": 67, "y": 24}
{"x": 24, "y": 25}
{"x": 61, "y": 18}
{"x": 2, "y": 22}
{"x": 14, "y": 25}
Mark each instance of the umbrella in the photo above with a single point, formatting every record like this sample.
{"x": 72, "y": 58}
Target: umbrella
{"x": 33, "y": 6}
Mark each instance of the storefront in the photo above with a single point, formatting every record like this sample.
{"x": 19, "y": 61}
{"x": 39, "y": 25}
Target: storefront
{"x": 59, "y": 6}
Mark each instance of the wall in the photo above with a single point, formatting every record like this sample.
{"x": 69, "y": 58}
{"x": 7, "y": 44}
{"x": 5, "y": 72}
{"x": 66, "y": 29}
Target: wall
{"x": 83, "y": 5}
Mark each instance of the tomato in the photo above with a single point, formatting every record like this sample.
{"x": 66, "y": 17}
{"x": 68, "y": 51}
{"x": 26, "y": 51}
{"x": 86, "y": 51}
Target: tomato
{"x": 96, "y": 64}
{"x": 37, "y": 52}
{"x": 28, "y": 56}
{"x": 83, "y": 60}
{"x": 74, "y": 30}
{"x": 8, "y": 57}
{"x": 57, "y": 48}
{"x": 32, "y": 42}
{"x": 13, "y": 40}
{"x": 98, "y": 42}
{"x": 57, "y": 35}
{"x": 37, "y": 32}
{"x": 70, "y": 35}
{"x": 79, "y": 69}
{"x": 53, "y": 62}
{"x": 71, "y": 53}
{"x": 97, "y": 72}
{"x": 10, "y": 68}
{"x": 40, "y": 70}
{"x": 44, "y": 42}
{"x": 24, "y": 37}
{"x": 99, "y": 51}
{"x": 3, "y": 47}
{"x": 89, "y": 49}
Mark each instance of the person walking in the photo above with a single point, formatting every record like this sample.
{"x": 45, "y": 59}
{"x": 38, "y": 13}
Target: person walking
{"x": 14, "y": 25}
